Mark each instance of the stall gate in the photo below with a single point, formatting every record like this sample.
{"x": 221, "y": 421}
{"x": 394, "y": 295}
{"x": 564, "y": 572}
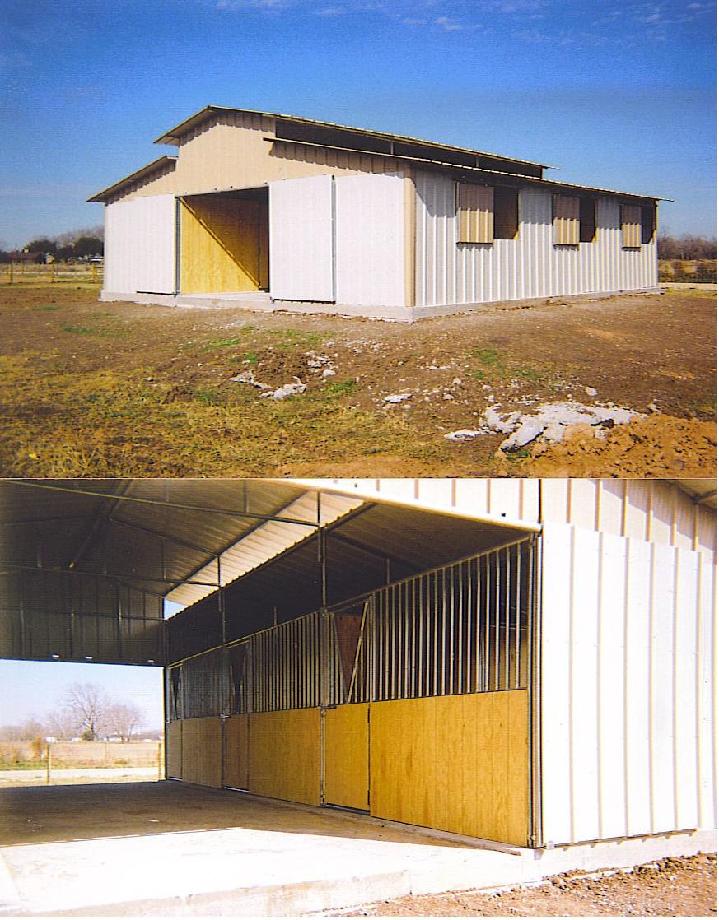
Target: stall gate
{"x": 410, "y": 703}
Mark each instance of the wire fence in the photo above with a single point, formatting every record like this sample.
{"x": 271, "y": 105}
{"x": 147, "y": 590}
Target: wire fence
{"x": 29, "y": 273}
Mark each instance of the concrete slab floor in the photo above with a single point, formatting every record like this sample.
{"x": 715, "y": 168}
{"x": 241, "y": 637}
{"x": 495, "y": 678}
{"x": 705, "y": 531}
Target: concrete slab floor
{"x": 169, "y": 849}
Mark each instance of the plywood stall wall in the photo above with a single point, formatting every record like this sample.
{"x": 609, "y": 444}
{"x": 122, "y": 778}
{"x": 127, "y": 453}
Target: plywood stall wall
{"x": 224, "y": 245}
{"x": 455, "y": 763}
{"x": 236, "y": 752}
{"x": 347, "y": 755}
{"x": 202, "y": 751}
{"x": 285, "y": 755}
{"x": 628, "y": 632}
{"x": 173, "y": 741}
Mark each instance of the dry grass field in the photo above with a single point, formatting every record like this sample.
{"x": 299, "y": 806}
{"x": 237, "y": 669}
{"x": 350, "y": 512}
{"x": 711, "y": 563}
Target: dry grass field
{"x": 94, "y": 389}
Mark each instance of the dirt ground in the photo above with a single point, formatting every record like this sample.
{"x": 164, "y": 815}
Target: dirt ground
{"x": 675, "y": 887}
{"x": 95, "y": 389}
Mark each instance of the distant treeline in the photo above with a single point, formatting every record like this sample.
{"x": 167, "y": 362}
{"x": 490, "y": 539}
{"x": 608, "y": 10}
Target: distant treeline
{"x": 67, "y": 247}
{"x": 686, "y": 247}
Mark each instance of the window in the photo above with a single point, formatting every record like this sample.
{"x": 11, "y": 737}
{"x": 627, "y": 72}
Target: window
{"x": 649, "y": 223}
{"x": 475, "y": 207}
{"x": 506, "y": 213}
{"x": 587, "y": 220}
{"x": 566, "y": 220}
{"x": 631, "y": 226}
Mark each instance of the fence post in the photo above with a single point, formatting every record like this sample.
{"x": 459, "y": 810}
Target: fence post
{"x": 12, "y": 266}
{"x": 48, "y": 765}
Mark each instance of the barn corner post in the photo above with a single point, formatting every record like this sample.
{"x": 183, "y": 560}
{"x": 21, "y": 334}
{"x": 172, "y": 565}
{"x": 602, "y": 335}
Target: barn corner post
{"x": 324, "y": 645}
{"x": 534, "y": 685}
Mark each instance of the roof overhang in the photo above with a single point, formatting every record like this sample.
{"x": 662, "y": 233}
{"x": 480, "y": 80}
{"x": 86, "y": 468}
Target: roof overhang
{"x": 160, "y": 165}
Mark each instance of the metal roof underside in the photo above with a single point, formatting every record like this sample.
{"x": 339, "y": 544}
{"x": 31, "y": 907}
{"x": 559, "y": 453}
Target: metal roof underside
{"x": 164, "y": 538}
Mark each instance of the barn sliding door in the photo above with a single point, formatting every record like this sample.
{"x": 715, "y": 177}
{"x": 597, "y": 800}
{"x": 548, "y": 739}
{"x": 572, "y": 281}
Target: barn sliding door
{"x": 140, "y": 245}
{"x": 302, "y": 239}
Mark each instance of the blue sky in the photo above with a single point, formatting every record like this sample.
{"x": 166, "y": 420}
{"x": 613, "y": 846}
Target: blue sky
{"x": 618, "y": 93}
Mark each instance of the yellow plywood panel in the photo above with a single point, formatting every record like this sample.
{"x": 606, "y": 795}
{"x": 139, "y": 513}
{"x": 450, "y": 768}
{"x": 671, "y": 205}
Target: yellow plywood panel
{"x": 347, "y": 756}
{"x": 456, "y": 763}
{"x": 202, "y": 751}
{"x": 285, "y": 755}
{"x": 173, "y": 742}
{"x": 631, "y": 226}
{"x": 224, "y": 245}
{"x": 566, "y": 220}
{"x": 236, "y": 765}
{"x": 475, "y": 206}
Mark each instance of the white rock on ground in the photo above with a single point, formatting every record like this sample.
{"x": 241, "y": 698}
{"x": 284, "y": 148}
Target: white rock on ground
{"x": 397, "y": 397}
{"x": 249, "y": 378}
{"x": 549, "y": 422}
{"x": 287, "y": 389}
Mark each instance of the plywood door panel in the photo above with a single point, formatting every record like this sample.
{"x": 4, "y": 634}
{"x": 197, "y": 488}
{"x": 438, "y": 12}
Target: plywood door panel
{"x": 455, "y": 763}
{"x": 202, "y": 751}
{"x": 347, "y": 756}
{"x": 284, "y": 755}
{"x": 224, "y": 245}
{"x": 173, "y": 743}
{"x": 235, "y": 752}
{"x": 302, "y": 239}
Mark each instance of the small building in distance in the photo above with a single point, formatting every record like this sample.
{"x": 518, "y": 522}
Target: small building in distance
{"x": 277, "y": 211}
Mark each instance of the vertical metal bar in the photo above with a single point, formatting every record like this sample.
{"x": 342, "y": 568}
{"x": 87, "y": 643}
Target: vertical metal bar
{"x": 496, "y": 620}
{"x": 443, "y": 683}
{"x": 487, "y": 603}
{"x": 452, "y": 629}
{"x": 507, "y": 616}
{"x": 517, "y": 614}
{"x": 477, "y": 625}
{"x": 421, "y": 671}
{"x": 435, "y": 640}
{"x": 404, "y": 594}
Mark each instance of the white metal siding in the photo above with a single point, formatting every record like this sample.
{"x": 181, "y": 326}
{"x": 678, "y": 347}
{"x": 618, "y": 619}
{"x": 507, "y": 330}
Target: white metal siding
{"x": 627, "y": 686}
{"x": 301, "y": 239}
{"x": 527, "y": 267}
{"x": 648, "y": 510}
{"x": 369, "y": 221}
{"x": 140, "y": 245}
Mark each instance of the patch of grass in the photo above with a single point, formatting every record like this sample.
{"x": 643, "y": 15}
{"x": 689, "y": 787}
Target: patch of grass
{"x": 251, "y": 357}
{"x": 209, "y": 396}
{"x": 47, "y": 308}
{"x": 228, "y": 343}
{"x": 286, "y": 339}
{"x": 341, "y": 388}
{"x": 528, "y": 373}
{"x": 78, "y": 330}
{"x": 488, "y": 356}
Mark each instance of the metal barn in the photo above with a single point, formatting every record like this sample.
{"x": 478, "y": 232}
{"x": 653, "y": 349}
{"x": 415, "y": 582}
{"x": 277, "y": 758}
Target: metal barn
{"x": 276, "y": 211}
{"x": 530, "y": 662}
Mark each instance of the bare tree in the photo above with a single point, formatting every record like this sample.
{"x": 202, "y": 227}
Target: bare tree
{"x": 88, "y": 704}
{"x": 122, "y": 720}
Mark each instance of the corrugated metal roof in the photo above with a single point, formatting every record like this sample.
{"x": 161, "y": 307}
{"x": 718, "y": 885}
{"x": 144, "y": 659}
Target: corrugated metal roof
{"x": 175, "y": 134}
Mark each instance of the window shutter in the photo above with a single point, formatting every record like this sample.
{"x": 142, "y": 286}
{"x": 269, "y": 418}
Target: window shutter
{"x": 566, "y": 220}
{"x": 475, "y": 206}
{"x": 631, "y": 226}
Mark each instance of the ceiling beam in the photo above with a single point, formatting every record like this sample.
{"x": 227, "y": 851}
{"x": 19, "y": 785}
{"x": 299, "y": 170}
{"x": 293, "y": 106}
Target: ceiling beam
{"x": 32, "y": 484}
{"x": 112, "y": 576}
